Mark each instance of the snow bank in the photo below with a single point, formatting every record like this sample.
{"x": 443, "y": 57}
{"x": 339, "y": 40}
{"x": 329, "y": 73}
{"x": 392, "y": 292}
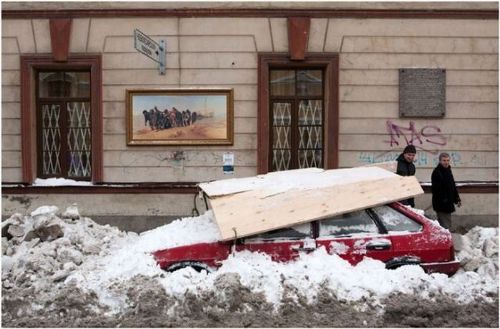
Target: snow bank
{"x": 104, "y": 260}
{"x": 479, "y": 251}
{"x": 369, "y": 281}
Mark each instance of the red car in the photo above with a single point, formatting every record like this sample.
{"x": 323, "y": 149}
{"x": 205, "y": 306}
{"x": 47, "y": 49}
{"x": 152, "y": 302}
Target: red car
{"x": 391, "y": 233}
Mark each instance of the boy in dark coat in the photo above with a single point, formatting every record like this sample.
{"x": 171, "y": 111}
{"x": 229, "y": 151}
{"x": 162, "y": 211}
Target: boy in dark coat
{"x": 444, "y": 191}
{"x": 407, "y": 168}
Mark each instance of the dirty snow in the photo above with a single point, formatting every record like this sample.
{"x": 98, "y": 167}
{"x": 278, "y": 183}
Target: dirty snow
{"x": 103, "y": 261}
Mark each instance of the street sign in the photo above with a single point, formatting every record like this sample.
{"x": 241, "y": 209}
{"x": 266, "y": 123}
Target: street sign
{"x": 147, "y": 46}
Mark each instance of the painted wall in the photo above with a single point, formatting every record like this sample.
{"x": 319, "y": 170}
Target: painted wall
{"x": 222, "y": 52}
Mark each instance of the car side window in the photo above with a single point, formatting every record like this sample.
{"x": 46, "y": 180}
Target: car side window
{"x": 395, "y": 221}
{"x": 295, "y": 232}
{"x": 347, "y": 224}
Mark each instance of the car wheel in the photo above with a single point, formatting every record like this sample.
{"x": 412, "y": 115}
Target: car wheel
{"x": 401, "y": 261}
{"x": 197, "y": 266}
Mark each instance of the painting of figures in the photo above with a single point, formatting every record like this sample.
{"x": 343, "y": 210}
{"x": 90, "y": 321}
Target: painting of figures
{"x": 180, "y": 117}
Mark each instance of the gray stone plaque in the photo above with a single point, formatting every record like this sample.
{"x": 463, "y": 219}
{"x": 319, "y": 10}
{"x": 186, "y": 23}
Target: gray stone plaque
{"x": 422, "y": 92}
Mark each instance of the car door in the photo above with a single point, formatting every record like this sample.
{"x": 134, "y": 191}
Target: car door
{"x": 282, "y": 244}
{"x": 409, "y": 237}
{"x": 354, "y": 236}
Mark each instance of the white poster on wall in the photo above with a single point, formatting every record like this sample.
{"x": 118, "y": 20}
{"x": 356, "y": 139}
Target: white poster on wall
{"x": 228, "y": 162}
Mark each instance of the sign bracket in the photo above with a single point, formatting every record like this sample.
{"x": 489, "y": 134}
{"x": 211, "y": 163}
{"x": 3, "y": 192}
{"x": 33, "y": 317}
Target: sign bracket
{"x": 147, "y": 46}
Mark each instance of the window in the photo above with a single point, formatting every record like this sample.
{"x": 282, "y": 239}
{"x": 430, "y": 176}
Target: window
{"x": 393, "y": 220}
{"x": 295, "y": 232}
{"x": 64, "y": 124}
{"x": 298, "y": 117}
{"x": 347, "y": 224}
{"x": 61, "y": 117}
{"x": 296, "y": 102}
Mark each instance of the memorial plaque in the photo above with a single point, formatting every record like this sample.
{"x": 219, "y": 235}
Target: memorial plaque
{"x": 422, "y": 92}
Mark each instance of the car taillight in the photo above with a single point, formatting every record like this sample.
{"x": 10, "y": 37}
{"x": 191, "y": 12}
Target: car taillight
{"x": 452, "y": 253}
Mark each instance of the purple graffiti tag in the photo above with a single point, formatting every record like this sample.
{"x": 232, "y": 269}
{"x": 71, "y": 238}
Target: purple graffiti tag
{"x": 439, "y": 138}
{"x": 412, "y": 136}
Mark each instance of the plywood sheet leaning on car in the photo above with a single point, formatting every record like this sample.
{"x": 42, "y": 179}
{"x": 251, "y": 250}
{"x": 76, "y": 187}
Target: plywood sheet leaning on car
{"x": 248, "y": 206}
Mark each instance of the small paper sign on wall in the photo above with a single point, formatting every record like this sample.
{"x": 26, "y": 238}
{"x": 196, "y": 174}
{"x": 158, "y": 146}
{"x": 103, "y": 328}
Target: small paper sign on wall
{"x": 228, "y": 162}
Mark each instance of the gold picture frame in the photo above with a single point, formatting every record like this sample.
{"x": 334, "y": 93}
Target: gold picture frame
{"x": 180, "y": 116}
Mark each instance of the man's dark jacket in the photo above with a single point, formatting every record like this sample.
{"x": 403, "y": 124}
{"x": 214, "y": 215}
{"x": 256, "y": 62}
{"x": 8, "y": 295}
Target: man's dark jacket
{"x": 444, "y": 190}
{"x": 406, "y": 168}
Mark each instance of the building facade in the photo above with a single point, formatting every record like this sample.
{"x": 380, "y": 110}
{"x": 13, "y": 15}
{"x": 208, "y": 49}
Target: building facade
{"x": 314, "y": 84}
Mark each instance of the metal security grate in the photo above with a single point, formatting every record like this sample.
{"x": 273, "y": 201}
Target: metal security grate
{"x": 310, "y": 151}
{"x": 281, "y": 136}
{"x": 51, "y": 139}
{"x": 79, "y": 139}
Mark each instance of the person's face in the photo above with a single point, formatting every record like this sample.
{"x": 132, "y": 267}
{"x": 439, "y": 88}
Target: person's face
{"x": 410, "y": 157}
{"x": 445, "y": 162}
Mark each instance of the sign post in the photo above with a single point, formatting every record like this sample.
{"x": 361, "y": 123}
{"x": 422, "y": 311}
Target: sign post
{"x": 147, "y": 46}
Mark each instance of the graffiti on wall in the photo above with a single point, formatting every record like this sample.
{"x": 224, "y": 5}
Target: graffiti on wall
{"x": 427, "y": 138}
{"x": 422, "y": 159}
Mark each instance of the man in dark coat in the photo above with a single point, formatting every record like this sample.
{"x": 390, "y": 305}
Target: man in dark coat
{"x": 407, "y": 168}
{"x": 444, "y": 191}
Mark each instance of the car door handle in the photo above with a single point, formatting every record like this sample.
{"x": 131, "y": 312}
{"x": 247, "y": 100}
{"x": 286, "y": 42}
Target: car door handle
{"x": 378, "y": 245}
{"x": 298, "y": 248}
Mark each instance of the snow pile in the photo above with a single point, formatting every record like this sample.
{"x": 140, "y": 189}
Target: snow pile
{"x": 43, "y": 248}
{"x": 131, "y": 255}
{"x": 478, "y": 251}
{"x": 43, "y": 254}
{"x": 369, "y": 281}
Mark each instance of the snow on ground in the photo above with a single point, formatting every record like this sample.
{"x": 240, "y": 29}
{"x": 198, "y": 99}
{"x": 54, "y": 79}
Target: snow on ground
{"x": 104, "y": 260}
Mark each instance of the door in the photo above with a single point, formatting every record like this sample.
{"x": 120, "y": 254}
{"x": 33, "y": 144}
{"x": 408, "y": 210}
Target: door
{"x": 354, "y": 236}
{"x": 411, "y": 239}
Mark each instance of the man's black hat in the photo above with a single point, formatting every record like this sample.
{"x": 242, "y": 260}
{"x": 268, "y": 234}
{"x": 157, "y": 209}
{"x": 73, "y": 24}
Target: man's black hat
{"x": 410, "y": 149}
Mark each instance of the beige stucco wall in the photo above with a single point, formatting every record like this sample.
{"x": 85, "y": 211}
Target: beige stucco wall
{"x": 107, "y": 204}
{"x": 223, "y": 52}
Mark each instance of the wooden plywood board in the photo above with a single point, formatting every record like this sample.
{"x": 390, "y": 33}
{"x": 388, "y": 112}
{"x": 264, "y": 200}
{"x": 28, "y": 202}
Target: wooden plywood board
{"x": 392, "y": 166}
{"x": 282, "y": 181}
{"x": 256, "y": 211}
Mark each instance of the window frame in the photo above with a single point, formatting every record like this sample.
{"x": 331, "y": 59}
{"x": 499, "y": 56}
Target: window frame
{"x": 257, "y": 238}
{"x": 329, "y": 63}
{"x": 30, "y": 65}
{"x": 379, "y": 220}
{"x": 368, "y": 212}
{"x": 62, "y": 101}
{"x": 294, "y": 117}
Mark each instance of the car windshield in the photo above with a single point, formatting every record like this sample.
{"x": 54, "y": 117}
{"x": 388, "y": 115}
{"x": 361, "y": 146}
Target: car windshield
{"x": 348, "y": 224}
{"x": 394, "y": 221}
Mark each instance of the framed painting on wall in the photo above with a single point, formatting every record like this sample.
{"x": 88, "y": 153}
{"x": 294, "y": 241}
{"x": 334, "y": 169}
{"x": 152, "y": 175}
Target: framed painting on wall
{"x": 180, "y": 116}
